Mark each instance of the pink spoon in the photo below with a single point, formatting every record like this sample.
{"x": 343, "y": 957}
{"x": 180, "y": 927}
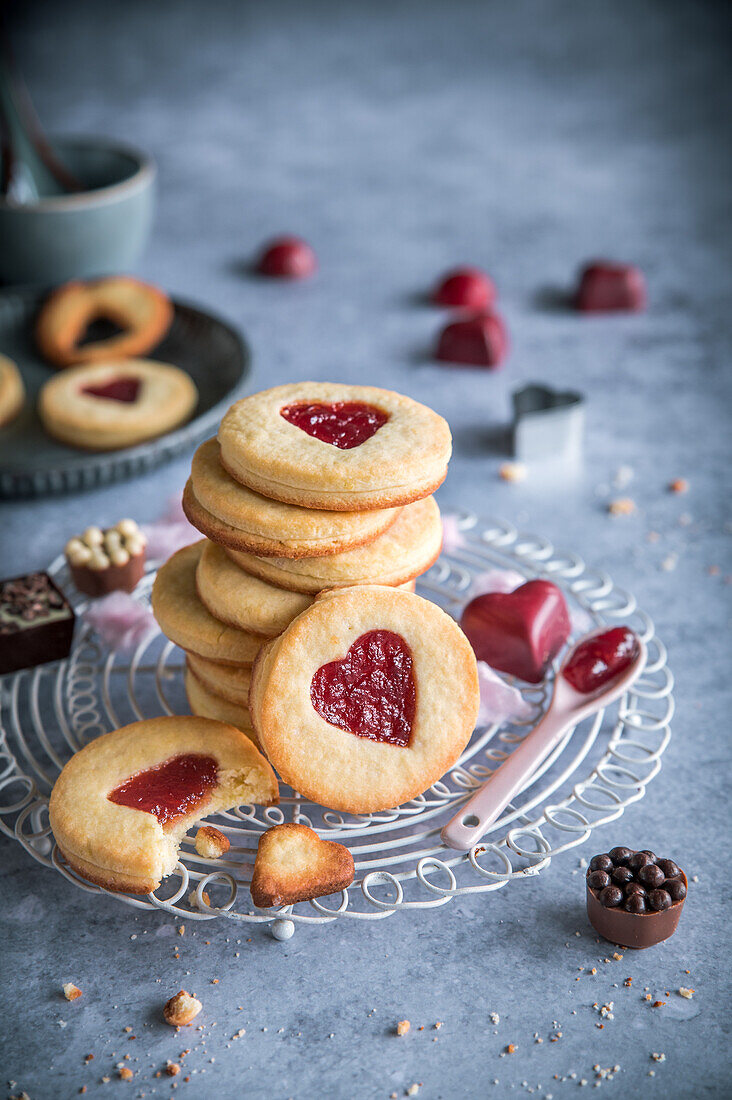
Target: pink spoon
{"x": 598, "y": 669}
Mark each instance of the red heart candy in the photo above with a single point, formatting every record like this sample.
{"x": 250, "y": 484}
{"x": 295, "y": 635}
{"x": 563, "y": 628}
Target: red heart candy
{"x": 371, "y": 692}
{"x": 607, "y": 287}
{"x": 479, "y": 341}
{"x": 344, "y": 424}
{"x": 171, "y": 789}
{"x": 464, "y": 288}
{"x": 119, "y": 389}
{"x": 287, "y": 258}
{"x": 518, "y": 632}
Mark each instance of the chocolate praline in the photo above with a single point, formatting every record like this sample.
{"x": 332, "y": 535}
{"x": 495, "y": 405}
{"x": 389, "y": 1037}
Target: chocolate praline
{"x": 640, "y": 919}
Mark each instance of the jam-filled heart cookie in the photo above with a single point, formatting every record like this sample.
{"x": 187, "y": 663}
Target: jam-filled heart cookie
{"x": 337, "y": 447}
{"x": 114, "y": 404}
{"x": 242, "y": 600}
{"x": 208, "y": 704}
{"x": 122, "y": 804}
{"x": 183, "y": 618}
{"x": 404, "y": 552}
{"x": 366, "y": 699}
{"x": 142, "y": 312}
{"x": 294, "y": 864}
{"x": 233, "y": 515}
{"x": 12, "y": 391}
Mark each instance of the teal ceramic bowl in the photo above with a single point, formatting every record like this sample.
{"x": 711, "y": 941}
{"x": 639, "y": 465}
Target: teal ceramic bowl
{"x": 100, "y": 231}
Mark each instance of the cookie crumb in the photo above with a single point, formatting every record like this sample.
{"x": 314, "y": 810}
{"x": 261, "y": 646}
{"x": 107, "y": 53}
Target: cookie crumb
{"x": 617, "y": 956}
{"x": 511, "y": 1048}
{"x": 512, "y": 471}
{"x": 658, "y": 1004}
{"x": 658, "y": 1057}
{"x": 211, "y": 843}
{"x": 181, "y": 1009}
{"x": 678, "y": 485}
{"x": 687, "y": 993}
{"x": 126, "y": 1073}
{"x": 71, "y": 991}
{"x": 403, "y": 1027}
{"x": 172, "y": 1069}
{"x": 622, "y": 506}
{"x": 438, "y": 1025}
{"x": 413, "y": 1089}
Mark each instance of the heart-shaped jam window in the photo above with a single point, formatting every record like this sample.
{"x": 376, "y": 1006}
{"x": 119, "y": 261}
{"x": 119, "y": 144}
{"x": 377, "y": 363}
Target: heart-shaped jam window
{"x": 169, "y": 790}
{"x": 119, "y": 389}
{"x": 518, "y": 632}
{"x": 371, "y": 692}
{"x": 343, "y": 424}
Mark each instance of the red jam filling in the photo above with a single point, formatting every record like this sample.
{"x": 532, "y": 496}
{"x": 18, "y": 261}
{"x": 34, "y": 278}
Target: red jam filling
{"x": 601, "y": 659}
{"x": 344, "y": 424}
{"x": 169, "y": 790}
{"x": 371, "y": 692}
{"x": 119, "y": 389}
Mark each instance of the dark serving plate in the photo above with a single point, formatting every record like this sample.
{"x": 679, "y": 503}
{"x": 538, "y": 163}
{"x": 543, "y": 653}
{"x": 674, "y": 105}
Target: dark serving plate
{"x": 33, "y": 464}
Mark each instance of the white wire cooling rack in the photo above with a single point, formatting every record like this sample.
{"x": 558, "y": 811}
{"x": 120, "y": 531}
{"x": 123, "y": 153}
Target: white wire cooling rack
{"x": 602, "y": 765}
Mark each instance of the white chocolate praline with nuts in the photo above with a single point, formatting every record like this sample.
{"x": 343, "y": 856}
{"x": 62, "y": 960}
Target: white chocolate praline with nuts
{"x": 181, "y": 1009}
{"x": 211, "y": 843}
{"x": 98, "y": 549}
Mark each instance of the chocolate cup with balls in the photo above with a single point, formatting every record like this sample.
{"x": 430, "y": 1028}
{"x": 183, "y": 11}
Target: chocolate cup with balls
{"x": 634, "y": 899}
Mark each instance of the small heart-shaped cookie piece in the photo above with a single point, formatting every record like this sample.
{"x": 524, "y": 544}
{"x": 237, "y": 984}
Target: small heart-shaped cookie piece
{"x": 294, "y": 864}
{"x": 518, "y": 632}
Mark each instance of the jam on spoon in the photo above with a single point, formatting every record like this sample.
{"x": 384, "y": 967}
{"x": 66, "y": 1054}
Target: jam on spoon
{"x": 601, "y": 659}
{"x": 169, "y": 790}
{"x": 118, "y": 389}
{"x": 344, "y": 424}
{"x": 371, "y": 692}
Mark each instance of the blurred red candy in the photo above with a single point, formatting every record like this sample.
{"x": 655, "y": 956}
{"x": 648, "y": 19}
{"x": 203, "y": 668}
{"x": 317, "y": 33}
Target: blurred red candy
{"x": 480, "y": 341}
{"x": 464, "y": 288}
{"x": 606, "y": 287}
{"x": 287, "y": 258}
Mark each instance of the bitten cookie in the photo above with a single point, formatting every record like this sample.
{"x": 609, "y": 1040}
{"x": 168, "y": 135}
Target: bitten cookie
{"x": 294, "y": 864}
{"x": 142, "y": 311}
{"x": 122, "y": 804}
{"x": 366, "y": 699}
{"x": 114, "y": 404}
{"x": 242, "y": 600}
{"x": 404, "y": 552}
{"x": 12, "y": 391}
{"x": 233, "y": 515}
{"x": 207, "y": 704}
{"x": 337, "y": 447}
{"x": 182, "y": 617}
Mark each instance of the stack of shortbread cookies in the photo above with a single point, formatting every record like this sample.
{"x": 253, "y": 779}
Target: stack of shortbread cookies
{"x": 308, "y": 487}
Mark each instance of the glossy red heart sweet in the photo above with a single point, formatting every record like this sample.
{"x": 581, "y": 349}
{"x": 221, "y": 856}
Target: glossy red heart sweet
{"x": 464, "y": 288}
{"x": 119, "y": 389}
{"x": 169, "y": 790}
{"x": 480, "y": 341}
{"x": 519, "y": 632}
{"x": 608, "y": 287}
{"x": 370, "y": 692}
{"x": 287, "y": 258}
{"x": 600, "y": 659}
{"x": 343, "y": 424}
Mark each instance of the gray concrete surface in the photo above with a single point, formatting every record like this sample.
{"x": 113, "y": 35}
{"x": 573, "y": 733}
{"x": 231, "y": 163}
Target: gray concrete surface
{"x": 401, "y": 139}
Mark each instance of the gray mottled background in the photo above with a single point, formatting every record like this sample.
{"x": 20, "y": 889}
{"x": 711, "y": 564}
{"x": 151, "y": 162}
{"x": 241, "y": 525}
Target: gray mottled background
{"x": 400, "y": 139}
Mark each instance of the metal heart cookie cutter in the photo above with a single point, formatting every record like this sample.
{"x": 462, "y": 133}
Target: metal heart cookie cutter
{"x": 547, "y": 423}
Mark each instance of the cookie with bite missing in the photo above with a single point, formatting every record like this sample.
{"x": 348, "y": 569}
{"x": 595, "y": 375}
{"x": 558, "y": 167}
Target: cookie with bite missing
{"x": 229, "y": 513}
{"x": 334, "y": 446}
{"x": 122, "y": 804}
{"x": 294, "y": 864}
{"x": 366, "y": 699}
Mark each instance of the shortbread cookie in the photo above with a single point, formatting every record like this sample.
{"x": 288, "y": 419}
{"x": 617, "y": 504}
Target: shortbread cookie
{"x": 105, "y": 406}
{"x": 404, "y": 552}
{"x": 242, "y": 600}
{"x": 338, "y": 447}
{"x": 294, "y": 864}
{"x": 228, "y": 681}
{"x": 142, "y": 311}
{"x": 230, "y": 513}
{"x": 366, "y": 699}
{"x": 12, "y": 391}
{"x": 182, "y": 617}
{"x": 207, "y": 704}
{"x": 121, "y": 805}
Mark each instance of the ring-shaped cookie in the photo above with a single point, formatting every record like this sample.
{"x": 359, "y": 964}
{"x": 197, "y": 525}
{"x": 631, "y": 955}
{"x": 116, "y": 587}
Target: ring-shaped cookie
{"x": 183, "y": 618}
{"x": 403, "y": 459}
{"x": 122, "y": 847}
{"x": 142, "y": 311}
{"x": 12, "y": 391}
{"x": 404, "y": 552}
{"x": 229, "y": 513}
{"x": 106, "y": 406}
{"x": 351, "y": 771}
